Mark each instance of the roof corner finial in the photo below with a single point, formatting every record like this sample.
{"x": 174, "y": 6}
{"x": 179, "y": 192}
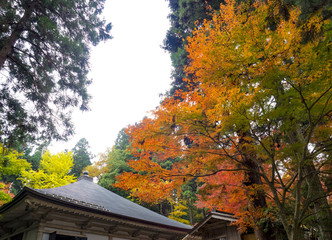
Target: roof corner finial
{"x": 86, "y": 173}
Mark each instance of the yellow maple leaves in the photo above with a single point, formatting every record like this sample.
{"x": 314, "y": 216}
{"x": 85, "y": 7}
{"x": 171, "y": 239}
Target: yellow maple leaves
{"x": 54, "y": 171}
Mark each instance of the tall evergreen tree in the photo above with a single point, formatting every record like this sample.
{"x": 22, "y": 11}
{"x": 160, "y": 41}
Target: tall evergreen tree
{"x": 44, "y": 52}
{"x": 82, "y": 157}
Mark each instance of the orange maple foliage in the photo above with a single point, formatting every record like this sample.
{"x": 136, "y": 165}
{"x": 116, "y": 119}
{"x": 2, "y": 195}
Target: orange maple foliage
{"x": 5, "y": 194}
{"x": 252, "y": 90}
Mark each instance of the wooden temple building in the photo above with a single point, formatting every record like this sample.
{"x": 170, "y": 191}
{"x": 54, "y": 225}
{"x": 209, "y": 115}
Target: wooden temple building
{"x": 82, "y": 211}
{"x": 215, "y": 226}
{"x": 86, "y": 211}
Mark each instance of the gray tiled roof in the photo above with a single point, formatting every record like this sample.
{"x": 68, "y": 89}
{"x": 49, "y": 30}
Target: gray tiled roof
{"x": 89, "y": 194}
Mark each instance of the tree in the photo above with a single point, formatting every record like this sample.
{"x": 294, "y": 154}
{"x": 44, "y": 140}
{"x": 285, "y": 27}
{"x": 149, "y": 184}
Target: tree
{"x": 99, "y": 167}
{"x": 53, "y": 172}
{"x": 112, "y": 163}
{"x": 257, "y": 106}
{"x": 32, "y": 156}
{"x": 82, "y": 157}
{"x": 5, "y": 194}
{"x": 116, "y": 159}
{"x": 116, "y": 164}
{"x": 179, "y": 212}
{"x": 32, "y": 153}
{"x": 44, "y": 52}
{"x": 11, "y": 162}
{"x": 184, "y": 14}
{"x": 11, "y": 165}
{"x": 188, "y": 198}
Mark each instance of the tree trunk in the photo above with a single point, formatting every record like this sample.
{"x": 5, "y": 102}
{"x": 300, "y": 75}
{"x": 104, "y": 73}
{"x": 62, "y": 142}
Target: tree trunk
{"x": 296, "y": 234}
{"x": 321, "y": 207}
{"x": 257, "y": 201}
{"x": 191, "y": 211}
{"x": 14, "y": 36}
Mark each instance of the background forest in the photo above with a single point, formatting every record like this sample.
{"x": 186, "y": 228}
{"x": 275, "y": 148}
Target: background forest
{"x": 245, "y": 127}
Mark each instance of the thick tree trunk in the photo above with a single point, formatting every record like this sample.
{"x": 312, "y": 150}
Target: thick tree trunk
{"x": 258, "y": 200}
{"x": 14, "y": 36}
{"x": 321, "y": 208}
{"x": 296, "y": 234}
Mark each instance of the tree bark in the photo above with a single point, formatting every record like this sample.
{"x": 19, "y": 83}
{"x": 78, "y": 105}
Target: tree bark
{"x": 321, "y": 207}
{"x": 258, "y": 200}
{"x": 191, "y": 212}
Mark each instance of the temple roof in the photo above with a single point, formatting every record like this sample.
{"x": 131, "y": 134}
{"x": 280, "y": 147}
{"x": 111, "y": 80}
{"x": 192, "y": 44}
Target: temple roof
{"x": 87, "y": 194}
{"x": 214, "y": 220}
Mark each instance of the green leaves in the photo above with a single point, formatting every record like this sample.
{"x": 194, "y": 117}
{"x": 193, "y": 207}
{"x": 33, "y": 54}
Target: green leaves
{"x": 11, "y": 163}
{"x": 82, "y": 157}
{"x": 53, "y": 172}
{"x": 44, "y": 52}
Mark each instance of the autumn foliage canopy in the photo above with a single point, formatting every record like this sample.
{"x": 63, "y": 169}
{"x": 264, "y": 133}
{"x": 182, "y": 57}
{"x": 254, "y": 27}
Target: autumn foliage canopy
{"x": 259, "y": 89}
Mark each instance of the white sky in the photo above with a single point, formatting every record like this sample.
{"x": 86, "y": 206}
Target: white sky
{"x": 129, "y": 72}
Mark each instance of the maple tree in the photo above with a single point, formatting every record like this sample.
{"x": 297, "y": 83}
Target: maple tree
{"x": 254, "y": 121}
{"x": 183, "y": 15}
{"x": 113, "y": 162}
{"x": 53, "y": 172}
{"x": 5, "y": 194}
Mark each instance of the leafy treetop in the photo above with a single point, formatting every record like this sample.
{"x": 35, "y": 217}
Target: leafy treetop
{"x": 82, "y": 157}
{"x": 44, "y": 53}
{"x": 53, "y": 172}
{"x": 256, "y": 93}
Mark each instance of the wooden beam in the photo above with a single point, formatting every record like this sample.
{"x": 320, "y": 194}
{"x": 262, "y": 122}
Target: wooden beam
{"x": 155, "y": 236}
{"x": 46, "y": 217}
{"x": 6, "y": 229}
{"x": 172, "y": 238}
{"x": 136, "y": 233}
{"x": 111, "y": 229}
{"x": 85, "y": 224}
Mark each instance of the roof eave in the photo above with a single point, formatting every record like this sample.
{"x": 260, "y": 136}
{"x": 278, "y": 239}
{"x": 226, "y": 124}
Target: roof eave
{"x": 210, "y": 215}
{"x": 41, "y": 196}
{"x": 16, "y": 199}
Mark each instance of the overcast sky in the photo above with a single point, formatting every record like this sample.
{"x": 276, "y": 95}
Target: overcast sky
{"x": 129, "y": 72}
